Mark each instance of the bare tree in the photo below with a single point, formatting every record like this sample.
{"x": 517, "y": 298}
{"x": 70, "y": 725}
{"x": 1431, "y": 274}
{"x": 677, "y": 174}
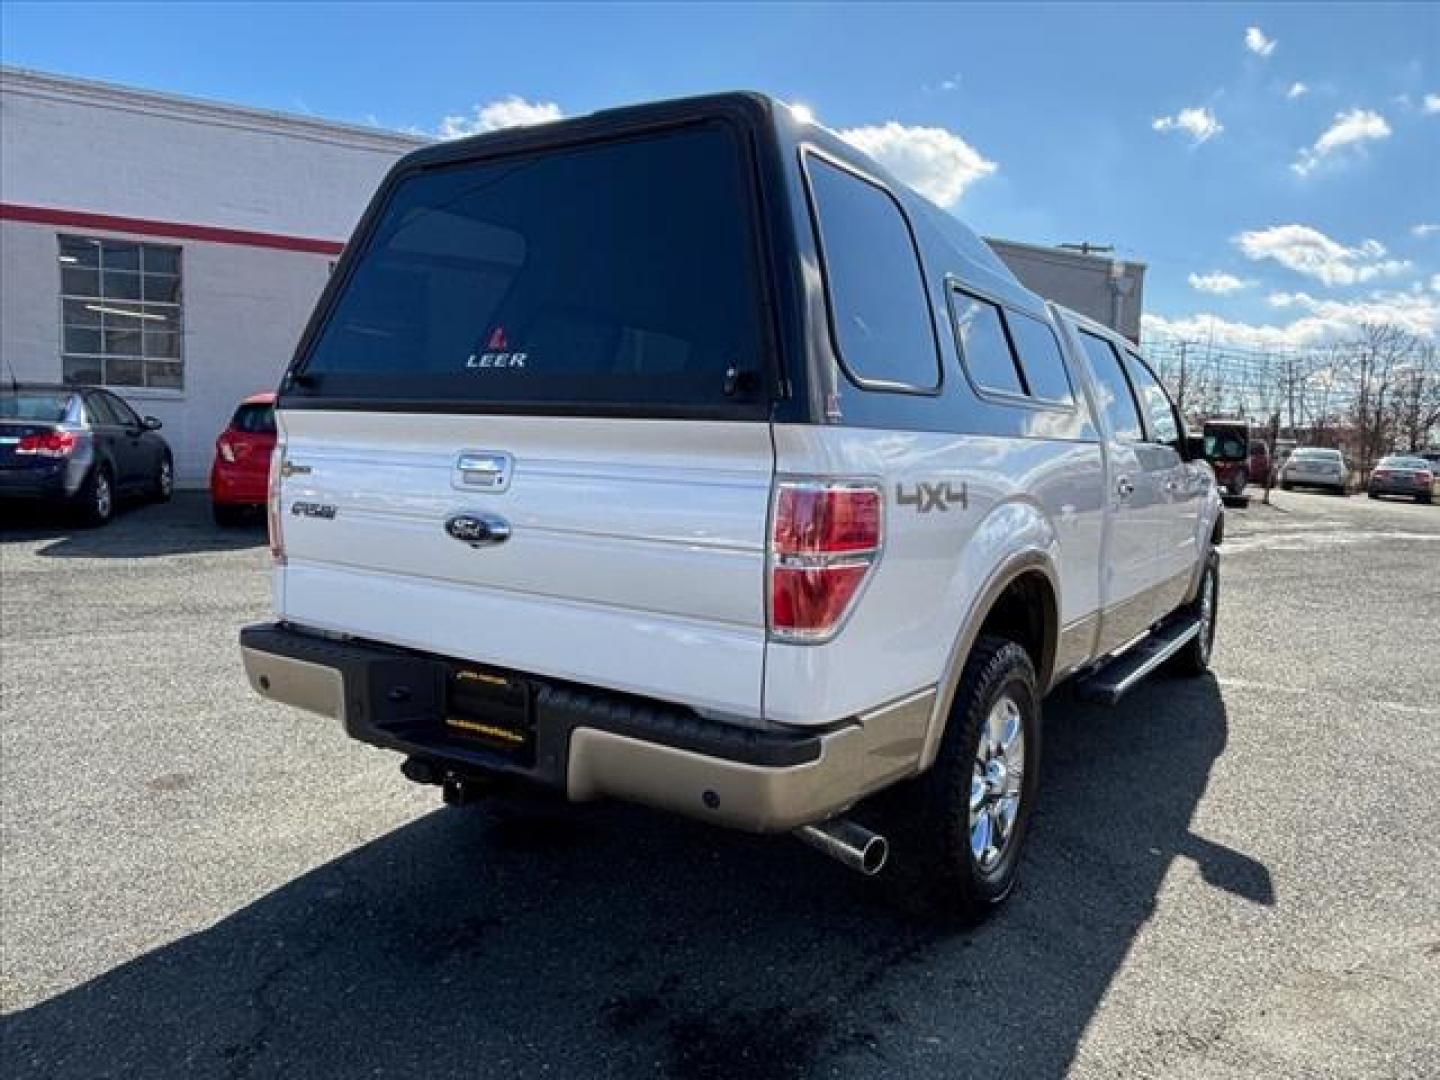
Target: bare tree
{"x": 1367, "y": 394}
{"x": 1415, "y": 406}
{"x": 1376, "y": 358}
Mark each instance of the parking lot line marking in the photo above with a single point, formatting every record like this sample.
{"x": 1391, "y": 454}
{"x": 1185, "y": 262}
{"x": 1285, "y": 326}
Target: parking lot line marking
{"x": 1302, "y": 691}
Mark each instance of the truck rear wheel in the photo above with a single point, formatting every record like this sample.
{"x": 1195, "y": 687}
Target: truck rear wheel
{"x": 958, "y": 830}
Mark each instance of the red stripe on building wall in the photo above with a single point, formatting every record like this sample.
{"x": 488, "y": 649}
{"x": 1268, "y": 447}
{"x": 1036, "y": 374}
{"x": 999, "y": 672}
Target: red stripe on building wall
{"x": 176, "y": 230}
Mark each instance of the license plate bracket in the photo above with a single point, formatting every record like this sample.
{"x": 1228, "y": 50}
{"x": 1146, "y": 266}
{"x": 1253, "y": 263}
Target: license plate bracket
{"x": 492, "y": 708}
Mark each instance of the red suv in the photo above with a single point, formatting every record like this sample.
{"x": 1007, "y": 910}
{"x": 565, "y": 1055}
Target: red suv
{"x": 241, "y": 473}
{"x": 1237, "y": 456}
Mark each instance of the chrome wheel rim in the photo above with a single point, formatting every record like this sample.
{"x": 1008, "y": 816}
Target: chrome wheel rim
{"x": 1207, "y": 613}
{"x": 996, "y": 783}
{"x": 102, "y": 496}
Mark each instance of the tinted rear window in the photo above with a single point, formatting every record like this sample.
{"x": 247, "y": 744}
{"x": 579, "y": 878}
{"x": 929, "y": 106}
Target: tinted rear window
{"x": 878, "y": 303}
{"x": 255, "y": 418}
{"x": 617, "y": 274}
{"x": 1224, "y": 446}
{"x": 44, "y": 406}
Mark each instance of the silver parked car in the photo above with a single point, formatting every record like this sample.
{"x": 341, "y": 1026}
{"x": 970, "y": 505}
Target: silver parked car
{"x": 1402, "y": 474}
{"x": 1315, "y": 466}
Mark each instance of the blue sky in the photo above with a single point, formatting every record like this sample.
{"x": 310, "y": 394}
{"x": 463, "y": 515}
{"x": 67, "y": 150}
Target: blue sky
{"x": 1175, "y": 132}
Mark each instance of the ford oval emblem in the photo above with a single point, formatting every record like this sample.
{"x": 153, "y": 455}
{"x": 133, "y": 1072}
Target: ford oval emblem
{"x": 478, "y": 530}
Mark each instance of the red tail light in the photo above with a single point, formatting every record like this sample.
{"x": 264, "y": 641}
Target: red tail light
{"x": 825, "y": 539}
{"x": 53, "y": 444}
{"x": 273, "y": 517}
{"x": 227, "y": 452}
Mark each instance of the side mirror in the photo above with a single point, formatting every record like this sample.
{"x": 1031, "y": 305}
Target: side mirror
{"x": 1193, "y": 448}
{"x": 151, "y": 424}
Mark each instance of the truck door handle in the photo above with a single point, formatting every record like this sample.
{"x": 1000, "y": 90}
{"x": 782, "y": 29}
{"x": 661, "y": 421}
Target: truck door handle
{"x": 1124, "y": 487}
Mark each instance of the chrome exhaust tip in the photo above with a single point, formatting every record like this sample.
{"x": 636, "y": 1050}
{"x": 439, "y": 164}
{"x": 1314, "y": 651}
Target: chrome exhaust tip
{"x": 849, "y": 843}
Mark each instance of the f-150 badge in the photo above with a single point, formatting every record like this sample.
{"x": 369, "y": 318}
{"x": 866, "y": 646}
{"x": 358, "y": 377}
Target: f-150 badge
{"x": 926, "y": 496}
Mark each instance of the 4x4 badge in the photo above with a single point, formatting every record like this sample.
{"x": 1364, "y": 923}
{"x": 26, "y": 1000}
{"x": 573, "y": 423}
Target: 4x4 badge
{"x": 927, "y": 496}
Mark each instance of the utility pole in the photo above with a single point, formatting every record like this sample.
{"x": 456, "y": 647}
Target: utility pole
{"x": 1290, "y": 388}
{"x": 1274, "y": 437}
{"x": 1180, "y": 390}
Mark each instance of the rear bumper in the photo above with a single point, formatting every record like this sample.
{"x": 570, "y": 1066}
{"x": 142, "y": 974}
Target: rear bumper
{"x": 1398, "y": 487}
{"x": 238, "y": 487}
{"x": 592, "y": 743}
{"x": 1333, "y": 483}
{"x": 50, "y": 481}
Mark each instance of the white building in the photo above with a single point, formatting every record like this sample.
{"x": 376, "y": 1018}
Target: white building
{"x": 1110, "y": 291}
{"x": 167, "y": 247}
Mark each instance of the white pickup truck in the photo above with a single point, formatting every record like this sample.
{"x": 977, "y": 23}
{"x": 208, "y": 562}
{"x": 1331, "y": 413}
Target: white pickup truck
{"x": 679, "y": 454}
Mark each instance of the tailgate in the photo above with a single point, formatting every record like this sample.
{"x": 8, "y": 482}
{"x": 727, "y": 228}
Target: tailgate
{"x": 634, "y": 561}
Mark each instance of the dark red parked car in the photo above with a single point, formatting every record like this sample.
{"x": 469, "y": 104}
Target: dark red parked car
{"x": 240, "y": 476}
{"x": 1237, "y": 456}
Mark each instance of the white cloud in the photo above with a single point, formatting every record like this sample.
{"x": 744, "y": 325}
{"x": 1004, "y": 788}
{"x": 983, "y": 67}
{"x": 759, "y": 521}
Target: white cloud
{"x": 1353, "y": 128}
{"x": 1410, "y": 311}
{"x": 1217, "y": 282}
{"x": 1257, "y": 42}
{"x": 1435, "y": 283}
{"x": 1297, "y": 89}
{"x": 1199, "y": 123}
{"x": 507, "y": 112}
{"x": 1310, "y": 252}
{"x": 935, "y": 162}
{"x": 1424, "y": 229}
{"x": 1432, "y": 103}
{"x": 1321, "y": 321}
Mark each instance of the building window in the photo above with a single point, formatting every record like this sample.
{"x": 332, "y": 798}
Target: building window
{"x": 120, "y": 321}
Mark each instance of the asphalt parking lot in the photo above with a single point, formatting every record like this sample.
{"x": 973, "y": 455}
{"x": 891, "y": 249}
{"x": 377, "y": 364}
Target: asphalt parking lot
{"x": 1232, "y": 877}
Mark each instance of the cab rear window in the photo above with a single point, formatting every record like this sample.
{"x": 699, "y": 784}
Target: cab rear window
{"x": 613, "y": 276}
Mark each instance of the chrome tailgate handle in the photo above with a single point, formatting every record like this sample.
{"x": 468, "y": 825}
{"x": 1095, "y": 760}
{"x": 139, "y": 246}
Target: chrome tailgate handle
{"x": 482, "y": 470}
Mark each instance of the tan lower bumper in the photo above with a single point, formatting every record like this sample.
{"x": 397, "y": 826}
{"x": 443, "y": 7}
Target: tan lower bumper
{"x": 313, "y": 687}
{"x": 883, "y": 747}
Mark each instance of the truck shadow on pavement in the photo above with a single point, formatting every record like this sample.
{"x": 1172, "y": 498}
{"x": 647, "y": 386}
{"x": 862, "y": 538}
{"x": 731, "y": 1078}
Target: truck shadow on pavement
{"x": 621, "y": 943}
{"x": 180, "y": 527}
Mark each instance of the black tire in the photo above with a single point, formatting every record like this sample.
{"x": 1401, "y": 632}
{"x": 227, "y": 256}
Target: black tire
{"x": 933, "y": 863}
{"x": 1284, "y": 486}
{"x": 163, "y": 486}
{"x": 95, "y": 501}
{"x": 1238, "y": 484}
{"x": 1194, "y": 658}
{"x": 227, "y": 515}
{"x": 1373, "y": 495}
